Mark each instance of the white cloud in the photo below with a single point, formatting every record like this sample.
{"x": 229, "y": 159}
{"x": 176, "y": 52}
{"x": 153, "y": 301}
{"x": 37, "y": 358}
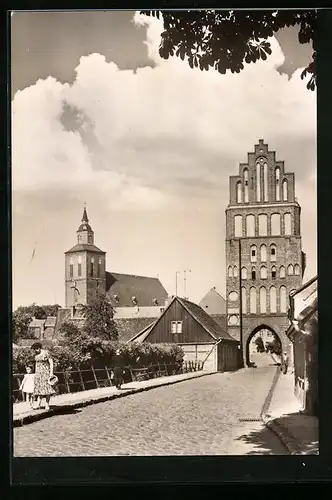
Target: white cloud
{"x": 160, "y": 133}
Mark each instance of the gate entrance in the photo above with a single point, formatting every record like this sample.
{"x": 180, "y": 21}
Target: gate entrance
{"x": 263, "y": 347}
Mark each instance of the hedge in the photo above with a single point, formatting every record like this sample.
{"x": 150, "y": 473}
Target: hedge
{"x": 100, "y": 353}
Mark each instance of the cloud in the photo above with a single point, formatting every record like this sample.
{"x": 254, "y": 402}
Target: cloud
{"x": 145, "y": 138}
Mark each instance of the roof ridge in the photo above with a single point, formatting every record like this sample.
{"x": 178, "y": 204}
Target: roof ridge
{"x": 134, "y": 275}
{"x": 183, "y": 302}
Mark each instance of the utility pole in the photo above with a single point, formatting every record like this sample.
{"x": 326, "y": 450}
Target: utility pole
{"x": 176, "y": 282}
{"x": 240, "y": 296}
{"x": 185, "y": 281}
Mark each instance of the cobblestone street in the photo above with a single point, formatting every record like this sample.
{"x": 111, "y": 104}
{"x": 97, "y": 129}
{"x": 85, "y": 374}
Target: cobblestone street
{"x": 195, "y": 417}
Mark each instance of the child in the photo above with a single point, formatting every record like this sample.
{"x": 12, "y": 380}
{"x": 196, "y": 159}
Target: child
{"x": 27, "y": 385}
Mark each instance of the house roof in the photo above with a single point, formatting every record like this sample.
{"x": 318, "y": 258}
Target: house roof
{"x": 207, "y": 322}
{"x": 213, "y": 302}
{"x": 131, "y": 327}
{"x": 121, "y": 288}
{"x": 79, "y": 247}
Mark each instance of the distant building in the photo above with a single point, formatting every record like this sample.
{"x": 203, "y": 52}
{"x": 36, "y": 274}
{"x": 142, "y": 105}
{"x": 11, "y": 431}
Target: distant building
{"x": 202, "y": 339}
{"x": 264, "y": 258}
{"x": 137, "y": 300}
{"x": 303, "y": 332}
{"x": 215, "y": 305}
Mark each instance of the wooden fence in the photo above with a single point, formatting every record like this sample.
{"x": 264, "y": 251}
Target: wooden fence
{"x": 84, "y": 379}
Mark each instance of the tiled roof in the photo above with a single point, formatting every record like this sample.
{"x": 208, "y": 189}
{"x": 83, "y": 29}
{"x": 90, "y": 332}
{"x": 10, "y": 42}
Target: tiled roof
{"x": 213, "y": 302}
{"x": 141, "y": 336}
{"x": 206, "y": 321}
{"x": 85, "y": 246}
{"x": 130, "y": 327}
{"x": 126, "y": 286}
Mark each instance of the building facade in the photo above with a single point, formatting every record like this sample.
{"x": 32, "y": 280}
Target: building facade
{"x": 196, "y": 332}
{"x": 264, "y": 258}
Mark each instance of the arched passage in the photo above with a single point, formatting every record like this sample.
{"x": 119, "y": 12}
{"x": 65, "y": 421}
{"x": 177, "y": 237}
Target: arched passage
{"x": 262, "y": 347}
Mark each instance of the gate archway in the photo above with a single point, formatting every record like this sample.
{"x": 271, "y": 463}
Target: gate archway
{"x": 254, "y": 348}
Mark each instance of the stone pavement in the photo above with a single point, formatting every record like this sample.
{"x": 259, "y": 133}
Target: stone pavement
{"x": 297, "y": 431}
{"x": 217, "y": 414}
{"x": 23, "y": 414}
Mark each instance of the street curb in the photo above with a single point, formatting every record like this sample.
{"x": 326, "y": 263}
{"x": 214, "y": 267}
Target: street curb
{"x": 29, "y": 419}
{"x": 288, "y": 441}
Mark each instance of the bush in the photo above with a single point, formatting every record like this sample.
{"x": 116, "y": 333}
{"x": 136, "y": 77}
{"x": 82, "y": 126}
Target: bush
{"x": 100, "y": 352}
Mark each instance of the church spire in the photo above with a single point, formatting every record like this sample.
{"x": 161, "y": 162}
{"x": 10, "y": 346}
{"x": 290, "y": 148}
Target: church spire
{"x": 85, "y": 215}
{"x": 85, "y": 233}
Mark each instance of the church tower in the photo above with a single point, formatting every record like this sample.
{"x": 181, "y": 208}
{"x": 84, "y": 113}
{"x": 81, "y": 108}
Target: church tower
{"x": 85, "y": 267}
{"x": 264, "y": 258}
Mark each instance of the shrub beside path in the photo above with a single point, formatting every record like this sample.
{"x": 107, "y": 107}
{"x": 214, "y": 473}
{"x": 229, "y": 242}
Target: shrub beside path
{"x": 23, "y": 414}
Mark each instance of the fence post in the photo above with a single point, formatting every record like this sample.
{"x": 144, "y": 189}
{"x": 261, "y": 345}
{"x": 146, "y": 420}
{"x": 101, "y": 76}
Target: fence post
{"x": 108, "y": 375}
{"x": 81, "y": 378}
{"x": 66, "y": 381}
{"x": 94, "y": 376}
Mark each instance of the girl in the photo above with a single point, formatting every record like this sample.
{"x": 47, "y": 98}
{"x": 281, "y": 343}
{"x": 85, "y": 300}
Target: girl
{"x": 27, "y": 385}
{"x": 43, "y": 371}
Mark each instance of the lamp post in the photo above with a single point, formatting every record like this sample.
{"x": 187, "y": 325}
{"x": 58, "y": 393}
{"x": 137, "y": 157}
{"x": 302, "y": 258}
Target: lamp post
{"x": 176, "y": 282}
{"x": 185, "y": 281}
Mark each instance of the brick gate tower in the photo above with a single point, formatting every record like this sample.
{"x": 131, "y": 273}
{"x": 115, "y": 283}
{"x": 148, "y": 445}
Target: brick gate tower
{"x": 264, "y": 258}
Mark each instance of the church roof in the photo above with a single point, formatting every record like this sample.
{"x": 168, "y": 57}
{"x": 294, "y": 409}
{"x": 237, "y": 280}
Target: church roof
{"x": 85, "y": 246}
{"x": 122, "y": 288}
{"x": 213, "y": 302}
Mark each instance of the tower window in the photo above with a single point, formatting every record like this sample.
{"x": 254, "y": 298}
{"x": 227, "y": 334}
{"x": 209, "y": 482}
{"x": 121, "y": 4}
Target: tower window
{"x": 290, "y": 270}
{"x": 297, "y": 270}
{"x": 288, "y": 224}
{"x": 79, "y": 266}
{"x": 253, "y": 253}
{"x": 282, "y": 272}
{"x": 244, "y": 300}
{"x": 284, "y": 190}
{"x": 92, "y": 261}
{"x": 283, "y": 299}
{"x": 275, "y": 225}
{"x": 274, "y": 272}
{"x": 277, "y": 184}
{"x": 235, "y": 272}
{"x": 262, "y": 300}
{"x": 273, "y": 253}
{"x": 258, "y": 182}
{"x": 250, "y": 225}
{"x": 273, "y": 299}
{"x": 99, "y": 267}
{"x": 238, "y": 226}
{"x": 252, "y": 300}
{"x": 262, "y": 225}
{"x": 263, "y": 273}
{"x": 71, "y": 268}
{"x": 263, "y": 253}
{"x": 230, "y": 272}
{"x": 246, "y": 189}
{"x": 244, "y": 274}
{"x": 265, "y": 182}
{"x": 239, "y": 192}
{"x": 253, "y": 274}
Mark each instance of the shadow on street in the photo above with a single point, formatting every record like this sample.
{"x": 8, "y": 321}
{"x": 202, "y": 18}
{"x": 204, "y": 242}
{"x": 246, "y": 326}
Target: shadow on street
{"x": 264, "y": 441}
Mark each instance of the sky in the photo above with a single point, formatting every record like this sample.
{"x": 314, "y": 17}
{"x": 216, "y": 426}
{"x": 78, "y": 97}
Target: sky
{"x": 148, "y": 144}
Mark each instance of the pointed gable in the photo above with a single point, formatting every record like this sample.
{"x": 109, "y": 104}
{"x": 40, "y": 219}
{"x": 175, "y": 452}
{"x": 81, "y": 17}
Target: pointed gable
{"x": 213, "y": 303}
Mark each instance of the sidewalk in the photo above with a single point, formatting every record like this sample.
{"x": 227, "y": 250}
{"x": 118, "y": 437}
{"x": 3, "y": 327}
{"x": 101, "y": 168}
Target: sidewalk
{"x": 23, "y": 414}
{"x": 297, "y": 431}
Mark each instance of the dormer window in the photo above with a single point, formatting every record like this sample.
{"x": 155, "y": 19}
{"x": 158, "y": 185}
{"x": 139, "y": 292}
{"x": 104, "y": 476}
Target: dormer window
{"x": 116, "y": 298}
{"x": 134, "y": 300}
{"x": 155, "y": 302}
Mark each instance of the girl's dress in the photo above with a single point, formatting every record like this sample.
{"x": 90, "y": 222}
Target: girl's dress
{"x": 28, "y": 383}
{"x": 42, "y": 374}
